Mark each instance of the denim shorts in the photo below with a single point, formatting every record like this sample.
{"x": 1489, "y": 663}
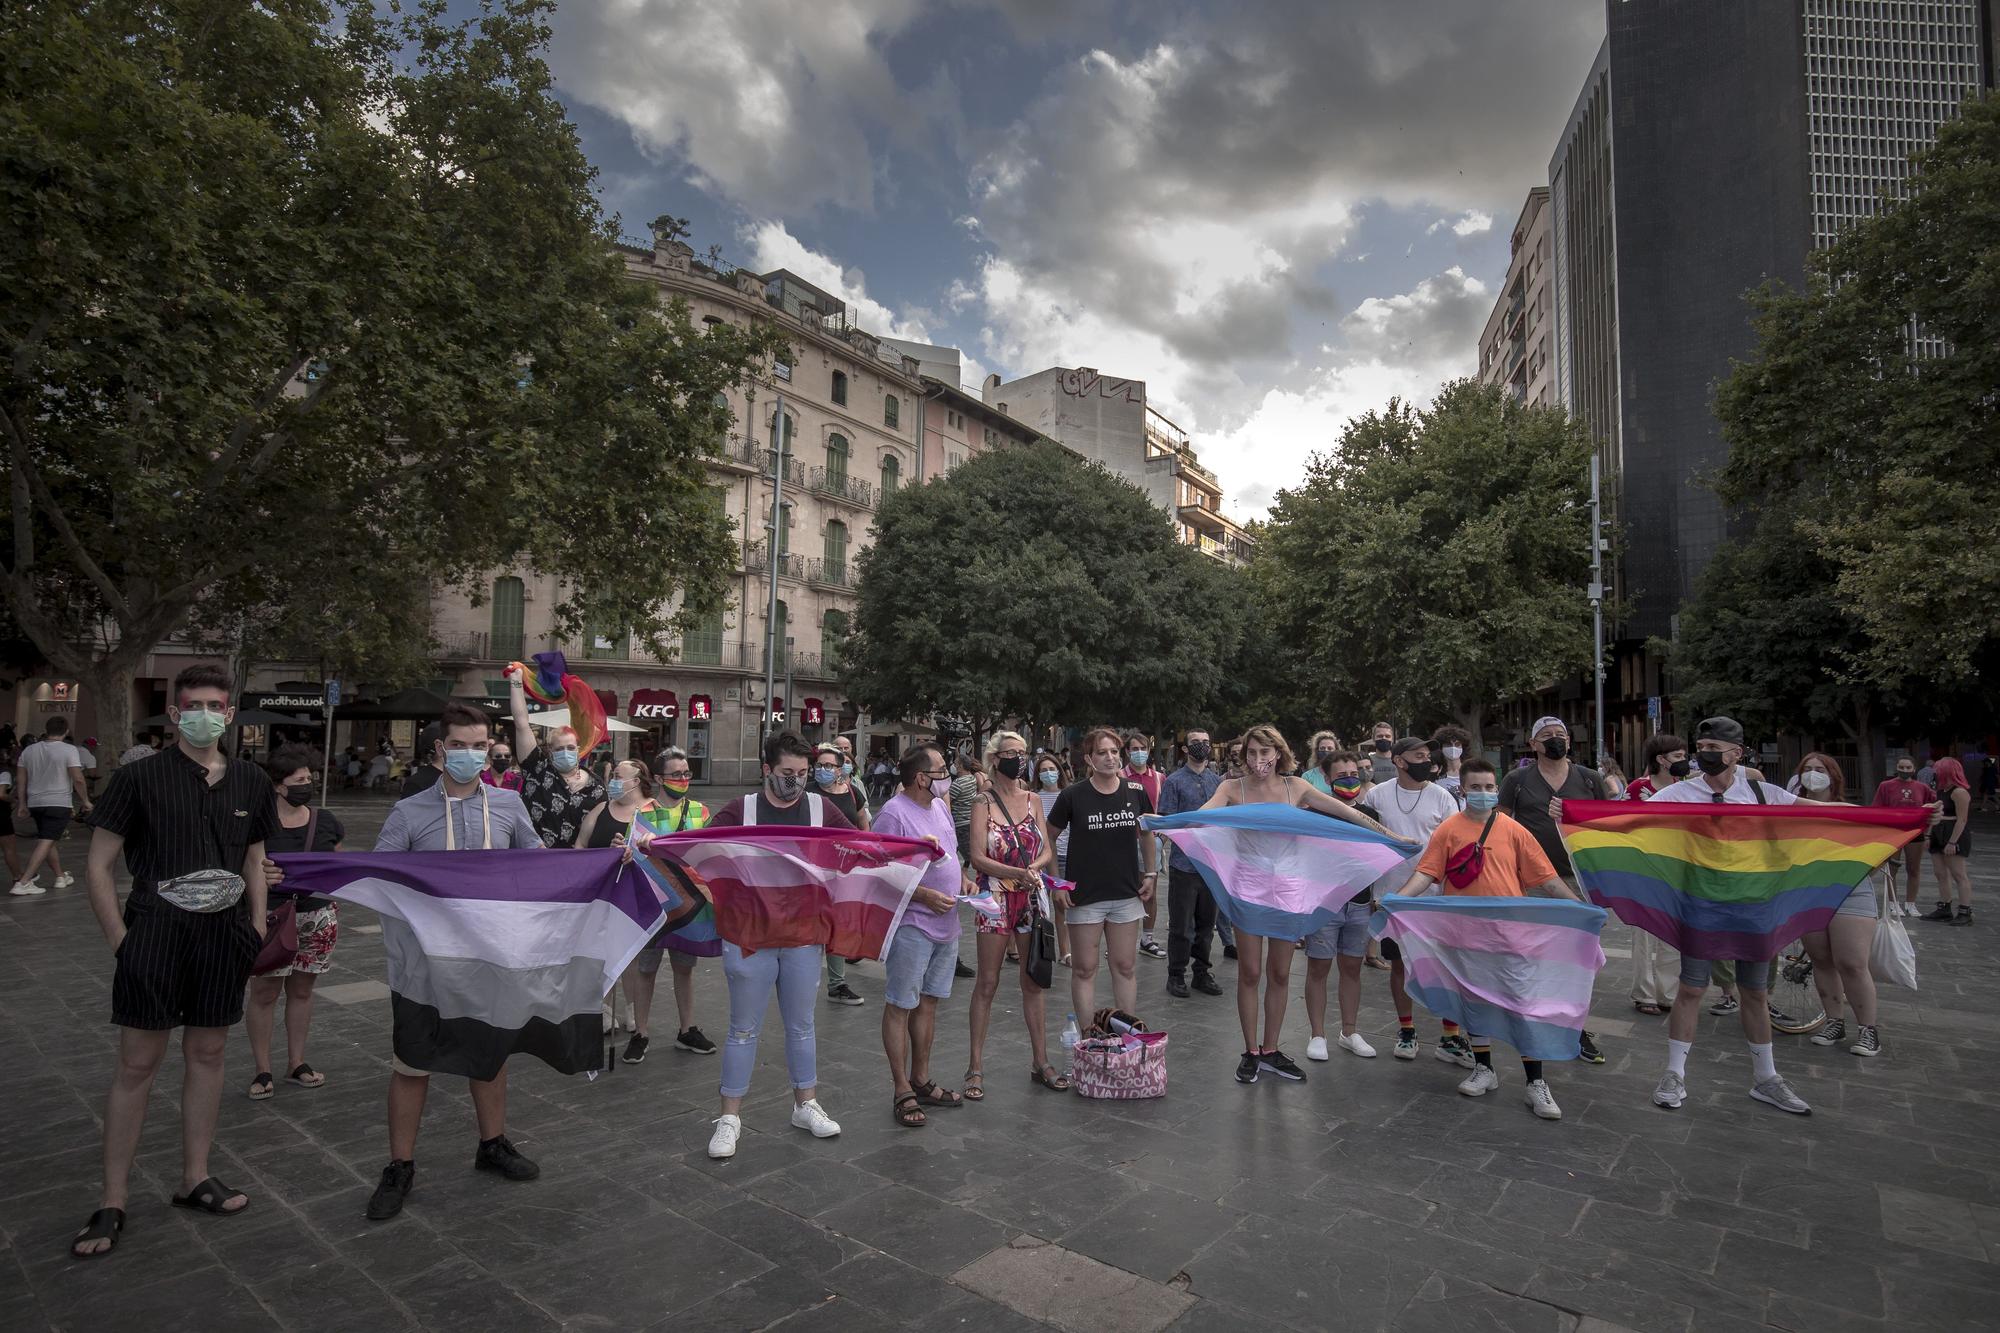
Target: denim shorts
{"x": 1860, "y": 901}
{"x": 1117, "y": 912}
{"x": 916, "y": 962}
{"x": 1346, "y": 937}
{"x": 1749, "y": 975}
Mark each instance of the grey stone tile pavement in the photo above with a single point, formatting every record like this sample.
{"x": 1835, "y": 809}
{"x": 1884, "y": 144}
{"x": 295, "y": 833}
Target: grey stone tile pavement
{"x": 1372, "y": 1196}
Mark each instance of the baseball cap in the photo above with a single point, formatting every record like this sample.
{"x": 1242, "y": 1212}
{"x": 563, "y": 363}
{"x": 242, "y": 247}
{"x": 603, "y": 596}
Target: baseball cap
{"x": 1725, "y": 729}
{"x": 1541, "y": 722}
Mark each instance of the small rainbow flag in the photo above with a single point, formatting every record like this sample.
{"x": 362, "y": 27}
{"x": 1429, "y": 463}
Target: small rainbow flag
{"x": 1728, "y": 881}
{"x": 551, "y": 683}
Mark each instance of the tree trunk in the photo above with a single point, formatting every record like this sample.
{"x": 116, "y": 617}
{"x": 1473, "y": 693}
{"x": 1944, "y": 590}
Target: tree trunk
{"x": 1473, "y": 718}
{"x": 1868, "y": 748}
{"x": 110, "y": 686}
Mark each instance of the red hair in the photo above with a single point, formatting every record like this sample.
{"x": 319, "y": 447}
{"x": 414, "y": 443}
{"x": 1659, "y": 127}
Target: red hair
{"x": 1838, "y": 791}
{"x": 1948, "y": 773}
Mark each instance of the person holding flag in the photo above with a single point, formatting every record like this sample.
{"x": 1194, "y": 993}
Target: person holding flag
{"x": 672, "y": 810}
{"x": 1508, "y": 864}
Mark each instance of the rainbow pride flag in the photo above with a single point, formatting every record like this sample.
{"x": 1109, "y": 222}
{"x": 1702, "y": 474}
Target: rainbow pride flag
{"x": 1279, "y": 871}
{"x": 1729, "y": 881}
{"x": 1519, "y": 969}
{"x": 551, "y": 683}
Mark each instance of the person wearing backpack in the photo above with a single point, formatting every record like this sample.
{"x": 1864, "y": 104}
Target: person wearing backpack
{"x": 1483, "y": 852}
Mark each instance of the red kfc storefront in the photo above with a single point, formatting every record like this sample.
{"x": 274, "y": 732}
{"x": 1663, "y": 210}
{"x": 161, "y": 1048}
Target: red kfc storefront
{"x": 657, "y": 714}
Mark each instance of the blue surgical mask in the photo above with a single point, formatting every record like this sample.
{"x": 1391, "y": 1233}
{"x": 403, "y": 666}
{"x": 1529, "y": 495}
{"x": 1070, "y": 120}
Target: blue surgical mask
{"x": 563, "y": 761}
{"x": 615, "y": 789}
{"x": 464, "y": 765}
{"x": 825, "y": 776}
{"x": 1050, "y": 778}
{"x": 1139, "y": 758}
{"x": 847, "y": 767}
{"x": 1482, "y": 800}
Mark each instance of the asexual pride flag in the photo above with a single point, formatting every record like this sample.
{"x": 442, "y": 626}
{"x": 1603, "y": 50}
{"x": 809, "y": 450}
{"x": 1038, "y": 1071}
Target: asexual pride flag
{"x": 494, "y": 952}
{"x": 776, "y": 886}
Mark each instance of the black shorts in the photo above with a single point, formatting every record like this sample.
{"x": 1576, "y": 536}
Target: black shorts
{"x": 51, "y": 821}
{"x": 1941, "y": 834}
{"x": 181, "y": 969}
{"x": 1391, "y": 950}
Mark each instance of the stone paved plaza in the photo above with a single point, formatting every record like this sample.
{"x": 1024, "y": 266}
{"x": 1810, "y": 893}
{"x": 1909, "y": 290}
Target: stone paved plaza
{"x": 1372, "y": 1196}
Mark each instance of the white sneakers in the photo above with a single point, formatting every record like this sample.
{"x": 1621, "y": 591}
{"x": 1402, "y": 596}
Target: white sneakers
{"x": 1480, "y": 1081}
{"x": 812, "y": 1116}
{"x": 1355, "y": 1044}
{"x": 64, "y": 880}
{"x": 1316, "y": 1049}
{"x": 1543, "y": 1102}
{"x": 809, "y": 1116}
{"x": 26, "y": 888}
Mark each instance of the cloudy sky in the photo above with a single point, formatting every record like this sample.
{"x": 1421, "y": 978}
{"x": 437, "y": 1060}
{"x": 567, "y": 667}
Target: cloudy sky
{"x": 1276, "y": 214}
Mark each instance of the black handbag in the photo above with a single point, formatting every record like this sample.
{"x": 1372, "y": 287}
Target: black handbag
{"x": 1039, "y": 961}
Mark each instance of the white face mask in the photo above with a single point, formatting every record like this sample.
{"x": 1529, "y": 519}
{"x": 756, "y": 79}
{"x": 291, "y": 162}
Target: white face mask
{"x": 1453, "y": 751}
{"x": 1814, "y": 780}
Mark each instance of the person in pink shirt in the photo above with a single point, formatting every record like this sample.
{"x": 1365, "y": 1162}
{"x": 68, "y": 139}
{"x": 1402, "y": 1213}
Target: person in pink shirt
{"x": 1139, "y": 768}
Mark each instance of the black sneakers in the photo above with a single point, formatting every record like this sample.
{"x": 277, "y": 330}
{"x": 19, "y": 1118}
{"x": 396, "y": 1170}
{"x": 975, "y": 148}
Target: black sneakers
{"x": 1277, "y": 1062}
{"x": 1177, "y": 987}
{"x": 1587, "y": 1050}
{"x": 842, "y": 993}
{"x": 500, "y": 1155}
{"x": 1942, "y": 912}
{"x": 1207, "y": 984}
{"x": 1246, "y": 1068}
{"x": 692, "y": 1040}
{"x": 387, "y": 1200}
{"x": 635, "y": 1049}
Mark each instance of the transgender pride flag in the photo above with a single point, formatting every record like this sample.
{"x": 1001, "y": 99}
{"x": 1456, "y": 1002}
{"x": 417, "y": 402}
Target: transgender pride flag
{"x": 494, "y": 952}
{"x": 1519, "y": 969}
{"x": 1279, "y": 871}
{"x": 776, "y": 886}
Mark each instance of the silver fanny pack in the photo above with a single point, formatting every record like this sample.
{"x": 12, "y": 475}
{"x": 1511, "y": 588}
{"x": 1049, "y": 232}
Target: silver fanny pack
{"x": 203, "y": 890}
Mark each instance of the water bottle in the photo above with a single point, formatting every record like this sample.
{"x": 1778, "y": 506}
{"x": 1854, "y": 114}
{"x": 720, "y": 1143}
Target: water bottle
{"x": 1070, "y": 1037}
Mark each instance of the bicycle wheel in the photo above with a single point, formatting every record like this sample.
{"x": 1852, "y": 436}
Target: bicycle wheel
{"x": 1795, "y": 1002}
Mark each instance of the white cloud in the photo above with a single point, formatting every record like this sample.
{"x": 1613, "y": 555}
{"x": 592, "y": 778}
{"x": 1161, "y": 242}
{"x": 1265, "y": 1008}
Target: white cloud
{"x": 1472, "y": 222}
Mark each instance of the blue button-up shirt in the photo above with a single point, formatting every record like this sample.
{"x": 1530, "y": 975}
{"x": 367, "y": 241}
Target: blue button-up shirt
{"x": 417, "y": 823}
{"x": 1185, "y": 790}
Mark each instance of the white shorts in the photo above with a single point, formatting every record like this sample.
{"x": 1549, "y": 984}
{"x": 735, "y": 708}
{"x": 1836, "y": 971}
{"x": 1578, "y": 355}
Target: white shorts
{"x": 1117, "y": 912}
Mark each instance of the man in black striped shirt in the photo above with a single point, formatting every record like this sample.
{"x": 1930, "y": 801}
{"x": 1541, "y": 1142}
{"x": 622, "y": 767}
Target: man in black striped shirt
{"x": 189, "y": 809}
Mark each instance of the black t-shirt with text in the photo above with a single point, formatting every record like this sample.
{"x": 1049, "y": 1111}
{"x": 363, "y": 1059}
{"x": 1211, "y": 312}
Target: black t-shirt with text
{"x": 1103, "y": 839}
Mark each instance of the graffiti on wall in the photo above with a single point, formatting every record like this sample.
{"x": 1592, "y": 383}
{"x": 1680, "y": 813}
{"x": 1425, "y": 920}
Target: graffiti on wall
{"x": 1084, "y": 381}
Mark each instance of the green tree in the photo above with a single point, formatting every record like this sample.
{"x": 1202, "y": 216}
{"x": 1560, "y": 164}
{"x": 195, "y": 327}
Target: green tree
{"x": 297, "y": 302}
{"x": 1433, "y": 562}
{"x": 1030, "y": 585}
{"x": 1881, "y": 451}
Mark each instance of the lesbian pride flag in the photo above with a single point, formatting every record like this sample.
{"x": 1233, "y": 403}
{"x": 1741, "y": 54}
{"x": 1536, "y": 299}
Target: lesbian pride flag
{"x": 775, "y": 886}
{"x": 493, "y": 953}
{"x": 1519, "y": 969}
{"x": 1279, "y": 871}
{"x": 1729, "y": 881}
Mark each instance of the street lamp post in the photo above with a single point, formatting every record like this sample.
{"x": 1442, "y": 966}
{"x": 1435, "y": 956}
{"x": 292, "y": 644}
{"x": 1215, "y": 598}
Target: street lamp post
{"x": 1597, "y": 605}
{"x": 781, "y": 450}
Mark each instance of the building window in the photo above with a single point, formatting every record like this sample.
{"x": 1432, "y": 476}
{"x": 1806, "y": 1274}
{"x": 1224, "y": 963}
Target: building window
{"x": 836, "y": 551}
{"x": 891, "y": 411}
{"x": 702, "y": 644}
{"x": 604, "y": 641}
{"x": 953, "y": 461}
{"x": 832, "y": 629}
{"x": 508, "y": 596}
{"x": 892, "y": 474}
{"x": 836, "y": 458}
{"x": 840, "y": 387}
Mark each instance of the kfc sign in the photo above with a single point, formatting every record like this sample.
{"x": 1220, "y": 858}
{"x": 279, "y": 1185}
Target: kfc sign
{"x": 699, "y": 708}
{"x": 655, "y": 706}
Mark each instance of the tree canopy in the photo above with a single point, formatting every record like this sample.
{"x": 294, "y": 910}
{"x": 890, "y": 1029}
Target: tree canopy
{"x": 295, "y": 302}
{"x": 1432, "y": 563}
{"x": 1880, "y": 451}
{"x": 1028, "y": 584}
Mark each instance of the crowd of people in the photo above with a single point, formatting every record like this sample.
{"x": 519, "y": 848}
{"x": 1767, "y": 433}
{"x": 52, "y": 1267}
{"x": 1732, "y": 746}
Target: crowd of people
{"x": 1015, "y": 826}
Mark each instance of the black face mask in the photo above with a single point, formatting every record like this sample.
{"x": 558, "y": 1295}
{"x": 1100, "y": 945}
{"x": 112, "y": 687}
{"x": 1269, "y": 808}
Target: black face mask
{"x": 500, "y": 761}
{"x": 299, "y": 795}
{"x": 1555, "y": 747}
{"x": 1679, "y": 768}
{"x": 1011, "y": 766}
{"x": 1420, "y": 772}
{"x": 1382, "y": 747}
{"x": 1199, "y": 751}
{"x": 1711, "y": 762}
{"x": 1326, "y": 752}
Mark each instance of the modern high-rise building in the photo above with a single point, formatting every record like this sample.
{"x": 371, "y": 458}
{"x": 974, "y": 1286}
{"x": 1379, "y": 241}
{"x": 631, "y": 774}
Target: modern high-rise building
{"x": 1515, "y": 346}
{"x": 1713, "y": 146}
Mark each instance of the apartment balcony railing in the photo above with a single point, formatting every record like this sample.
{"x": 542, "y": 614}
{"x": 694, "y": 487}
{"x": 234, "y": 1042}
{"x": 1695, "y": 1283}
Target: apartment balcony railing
{"x": 467, "y": 646}
{"x": 829, "y": 573}
{"x": 841, "y": 486}
{"x": 747, "y": 655}
{"x": 742, "y": 452}
{"x": 757, "y": 560}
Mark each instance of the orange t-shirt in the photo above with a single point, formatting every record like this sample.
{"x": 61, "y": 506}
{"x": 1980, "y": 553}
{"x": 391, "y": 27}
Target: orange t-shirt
{"x": 1514, "y": 860}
